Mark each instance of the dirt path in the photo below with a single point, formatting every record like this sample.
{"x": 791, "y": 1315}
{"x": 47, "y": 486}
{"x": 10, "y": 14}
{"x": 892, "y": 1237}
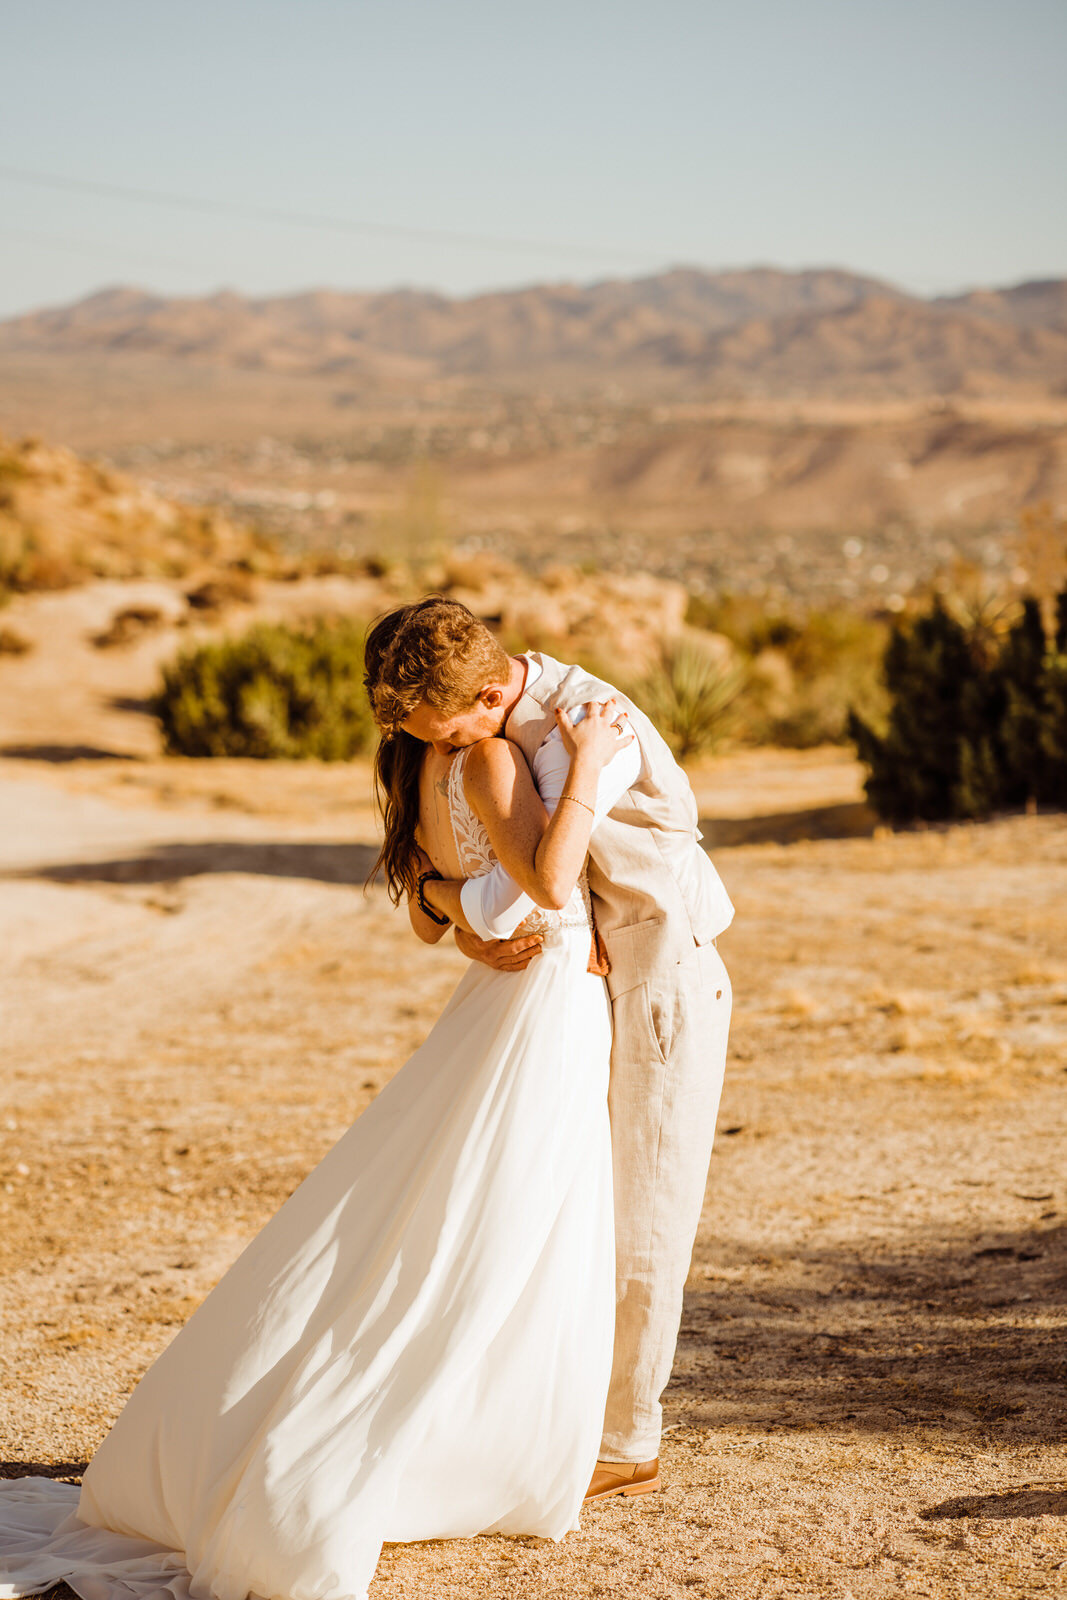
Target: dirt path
{"x": 868, "y": 1398}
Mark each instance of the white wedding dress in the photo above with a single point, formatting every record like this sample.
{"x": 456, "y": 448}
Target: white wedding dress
{"x": 418, "y": 1344}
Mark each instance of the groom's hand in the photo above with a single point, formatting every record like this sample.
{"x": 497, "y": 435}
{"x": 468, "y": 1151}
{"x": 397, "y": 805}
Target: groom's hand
{"x": 503, "y": 955}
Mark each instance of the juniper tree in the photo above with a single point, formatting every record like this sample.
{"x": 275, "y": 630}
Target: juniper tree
{"x": 1060, "y": 626}
{"x": 938, "y": 758}
{"x": 1022, "y": 681}
{"x": 1054, "y": 725}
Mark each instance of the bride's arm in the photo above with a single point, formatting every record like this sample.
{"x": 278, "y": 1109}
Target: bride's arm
{"x": 501, "y": 790}
{"x": 493, "y": 904}
{"x": 443, "y": 894}
{"x": 543, "y": 855}
{"x": 490, "y": 906}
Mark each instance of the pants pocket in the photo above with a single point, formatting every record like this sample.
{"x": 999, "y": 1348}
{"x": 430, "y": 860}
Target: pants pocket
{"x": 662, "y": 1020}
{"x": 636, "y": 1037}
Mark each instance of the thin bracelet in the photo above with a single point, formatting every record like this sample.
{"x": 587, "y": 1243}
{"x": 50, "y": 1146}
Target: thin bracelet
{"x": 591, "y": 810}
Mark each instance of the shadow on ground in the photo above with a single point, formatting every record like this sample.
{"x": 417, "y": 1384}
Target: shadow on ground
{"x": 142, "y": 704}
{"x": 323, "y": 862}
{"x": 956, "y": 1338}
{"x": 58, "y": 754}
{"x": 43, "y": 1469}
{"x": 851, "y": 819}
{"x": 1030, "y": 1502}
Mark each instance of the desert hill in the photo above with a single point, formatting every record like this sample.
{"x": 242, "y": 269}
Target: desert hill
{"x": 759, "y": 332}
{"x": 64, "y": 520}
{"x": 738, "y": 429}
{"x": 1041, "y": 303}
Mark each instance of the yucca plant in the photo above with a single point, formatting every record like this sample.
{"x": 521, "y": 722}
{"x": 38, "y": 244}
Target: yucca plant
{"x": 691, "y": 696}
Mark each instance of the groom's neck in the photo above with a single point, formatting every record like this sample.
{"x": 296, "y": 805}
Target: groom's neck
{"x": 513, "y": 689}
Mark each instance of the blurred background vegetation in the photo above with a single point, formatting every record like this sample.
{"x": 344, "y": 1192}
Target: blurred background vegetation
{"x": 272, "y": 693}
{"x": 954, "y": 697}
{"x": 956, "y": 710}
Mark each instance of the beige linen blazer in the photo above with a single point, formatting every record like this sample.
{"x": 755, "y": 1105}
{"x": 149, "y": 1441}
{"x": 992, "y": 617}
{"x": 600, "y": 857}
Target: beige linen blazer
{"x": 656, "y": 893}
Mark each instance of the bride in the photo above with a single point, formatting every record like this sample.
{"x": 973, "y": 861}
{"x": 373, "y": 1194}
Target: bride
{"x": 418, "y": 1345}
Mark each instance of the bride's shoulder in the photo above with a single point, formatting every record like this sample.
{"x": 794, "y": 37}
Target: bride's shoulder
{"x": 490, "y": 756}
{"x": 490, "y": 766}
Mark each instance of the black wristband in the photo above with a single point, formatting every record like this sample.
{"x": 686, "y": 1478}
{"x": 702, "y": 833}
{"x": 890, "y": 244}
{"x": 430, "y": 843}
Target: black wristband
{"x": 420, "y": 895}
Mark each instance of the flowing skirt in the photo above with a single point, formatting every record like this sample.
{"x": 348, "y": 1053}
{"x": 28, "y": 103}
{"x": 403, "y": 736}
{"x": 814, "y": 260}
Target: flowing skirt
{"x": 417, "y": 1346}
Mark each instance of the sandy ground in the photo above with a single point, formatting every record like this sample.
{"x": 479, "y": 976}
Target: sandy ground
{"x": 197, "y": 999}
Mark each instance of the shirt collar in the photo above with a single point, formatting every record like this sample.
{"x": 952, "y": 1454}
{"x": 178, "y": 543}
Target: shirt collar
{"x": 533, "y": 672}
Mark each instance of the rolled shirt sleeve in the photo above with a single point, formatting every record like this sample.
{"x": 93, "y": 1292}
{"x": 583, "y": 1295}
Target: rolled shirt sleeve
{"x": 493, "y": 903}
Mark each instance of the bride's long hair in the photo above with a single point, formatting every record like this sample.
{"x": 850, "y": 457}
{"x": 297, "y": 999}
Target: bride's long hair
{"x": 397, "y": 763}
{"x": 433, "y": 650}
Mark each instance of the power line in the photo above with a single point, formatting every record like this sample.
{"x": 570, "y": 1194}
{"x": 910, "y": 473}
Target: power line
{"x": 301, "y": 219}
{"x": 95, "y": 248}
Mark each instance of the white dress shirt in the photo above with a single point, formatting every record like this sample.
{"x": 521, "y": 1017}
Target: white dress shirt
{"x": 493, "y": 904}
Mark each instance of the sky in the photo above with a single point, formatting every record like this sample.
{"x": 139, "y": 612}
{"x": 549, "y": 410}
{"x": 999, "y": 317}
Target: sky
{"x": 462, "y": 145}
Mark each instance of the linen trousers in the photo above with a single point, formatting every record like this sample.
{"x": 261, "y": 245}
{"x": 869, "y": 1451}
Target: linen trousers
{"x": 667, "y": 1061}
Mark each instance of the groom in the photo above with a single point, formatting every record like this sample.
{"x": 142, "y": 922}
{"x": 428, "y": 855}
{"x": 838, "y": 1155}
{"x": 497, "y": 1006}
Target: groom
{"x": 435, "y": 670}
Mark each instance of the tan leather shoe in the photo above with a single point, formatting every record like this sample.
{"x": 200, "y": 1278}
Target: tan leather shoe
{"x": 623, "y": 1477}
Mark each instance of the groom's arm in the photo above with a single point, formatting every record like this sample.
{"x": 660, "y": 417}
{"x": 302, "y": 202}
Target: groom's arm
{"x": 493, "y": 904}
{"x": 503, "y": 955}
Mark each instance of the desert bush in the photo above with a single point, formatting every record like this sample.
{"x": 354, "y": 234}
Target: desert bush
{"x": 935, "y": 759}
{"x": 231, "y": 587}
{"x": 691, "y": 695}
{"x": 976, "y": 721}
{"x": 807, "y": 668}
{"x": 1023, "y": 708}
{"x": 1041, "y": 549}
{"x": 273, "y": 693}
{"x": 13, "y": 642}
{"x": 1054, "y": 729}
{"x": 379, "y": 565}
{"x": 28, "y": 561}
{"x": 128, "y": 625}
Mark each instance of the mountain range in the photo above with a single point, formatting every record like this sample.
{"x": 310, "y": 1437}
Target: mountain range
{"x": 759, "y": 332}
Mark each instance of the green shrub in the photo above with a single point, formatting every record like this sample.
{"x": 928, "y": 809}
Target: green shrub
{"x": 691, "y": 697}
{"x": 274, "y": 693}
{"x": 1054, "y": 729}
{"x": 1024, "y": 709}
{"x": 807, "y": 667}
{"x": 975, "y": 722}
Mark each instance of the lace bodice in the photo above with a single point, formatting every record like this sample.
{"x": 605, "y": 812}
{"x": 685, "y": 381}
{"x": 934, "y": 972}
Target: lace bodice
{"x": 476, "y": 855}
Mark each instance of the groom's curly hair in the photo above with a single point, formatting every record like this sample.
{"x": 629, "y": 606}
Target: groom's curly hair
{"x": 433, "y": 650}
